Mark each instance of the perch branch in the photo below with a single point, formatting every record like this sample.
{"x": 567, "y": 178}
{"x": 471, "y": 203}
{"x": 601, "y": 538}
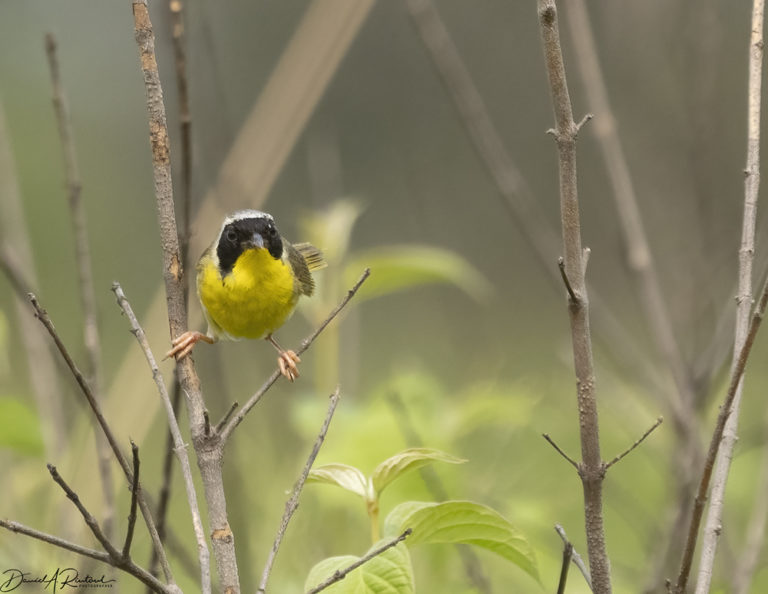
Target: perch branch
{"x": 560, "y": 451}
{"x": 293, "y": 502}
{"x": 714, "y": 445}
{"x": 85, "y": 388}
{"x": 591, "y": 470}
{"x": 178, "y": 442}
{"x": 340, "y": 574}
{"x": 230, "y": 426}
{"x": 84, "y": 269}
{"x": 640, "y": 440}
{"x": 575, "y": 557}
{"x": 713, "y": 522}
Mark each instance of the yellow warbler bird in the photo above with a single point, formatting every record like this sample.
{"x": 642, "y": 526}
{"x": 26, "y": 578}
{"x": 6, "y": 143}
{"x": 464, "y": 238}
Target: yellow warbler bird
{"x": 249, "y": 281}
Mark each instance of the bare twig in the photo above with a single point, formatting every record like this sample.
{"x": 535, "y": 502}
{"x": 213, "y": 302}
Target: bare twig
{"x": 42, "y": 315}
{"x": 567, "y": 553}
{"x": 228, "y": 415}
{"x": 127, "y": 566}
{"x": 575, "y": 557}
{"x": 84, "y": 270}
{"x": 560, "y": 451}
{"x": 178, "y": 442}
{"x": 340, "y": 574}
{"x": 293, "y": 501}
{"x": 591, "y": 470}
{"x": 712, "y": 526}
{"x": 640, "y": 440}
{"x": 134, "y": 499}
{"x": 209, "y": 448}
{"x": 725, "y": 410}
{"x": 230, "y": 426}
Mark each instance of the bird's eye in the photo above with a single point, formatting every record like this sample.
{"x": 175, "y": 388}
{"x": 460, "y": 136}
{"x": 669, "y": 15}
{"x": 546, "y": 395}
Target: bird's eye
{"x": 271, "y": 230}
{"x": 231, "y": 235}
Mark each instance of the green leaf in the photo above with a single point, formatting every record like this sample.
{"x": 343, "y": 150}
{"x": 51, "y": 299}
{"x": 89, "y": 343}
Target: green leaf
{"x": 399, "y": 267}
{"x": 387, "y": 573}
{"x": 406, "y": 461}
{"x": 344, "y": 476}
{"x": 20, "y": 430}
{"x": 462, "y": 522}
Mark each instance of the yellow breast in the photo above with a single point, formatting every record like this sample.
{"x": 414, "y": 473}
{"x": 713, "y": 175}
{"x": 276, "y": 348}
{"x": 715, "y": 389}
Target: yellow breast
{"x": 252, "y": 301}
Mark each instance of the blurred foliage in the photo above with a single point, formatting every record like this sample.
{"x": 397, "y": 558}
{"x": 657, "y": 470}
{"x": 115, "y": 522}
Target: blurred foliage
{"x": 21, "y": 429}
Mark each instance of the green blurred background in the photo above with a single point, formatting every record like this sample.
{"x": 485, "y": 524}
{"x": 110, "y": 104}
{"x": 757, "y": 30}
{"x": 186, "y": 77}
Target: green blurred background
{"x": 478, "y": 351}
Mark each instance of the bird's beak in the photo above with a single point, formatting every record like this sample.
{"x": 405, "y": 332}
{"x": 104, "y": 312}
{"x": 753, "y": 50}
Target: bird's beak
{"x": 257, "y": 241}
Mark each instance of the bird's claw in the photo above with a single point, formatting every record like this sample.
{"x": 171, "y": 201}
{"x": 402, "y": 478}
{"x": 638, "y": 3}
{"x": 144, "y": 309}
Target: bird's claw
{"x": 287, "y": 362}
{"x": 184, "y": 343}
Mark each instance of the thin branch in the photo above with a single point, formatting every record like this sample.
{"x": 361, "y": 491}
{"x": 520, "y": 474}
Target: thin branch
{"x": 228, "y": 415}
{"x": 650, "y": 430}
{"x": 226, "y": 432}
{"x": 561, "y": 452}
{"x": 293, "y": 501}
{"x": 89, "y": 519}
{"x": 567, "y": 553}
{"x": 178, "y": 442}
{"x": 134, "y": 499}
{"x": 591, "y": 470}
{"x": 85, "y": 388}
{"x": 340, "y": 574}
{"x": 84, "y": 269}
{"x": 575, "y": 557}
{"x": 561, "y": 265}
{"x": 725, "y": 410}
{"x": 125, "y": 565}
{"x": 209, "y": 454}
{"x": 743, "y": 300}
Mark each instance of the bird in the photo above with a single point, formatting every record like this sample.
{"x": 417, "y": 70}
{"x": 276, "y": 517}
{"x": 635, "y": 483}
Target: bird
{"x": 249, "y": 281}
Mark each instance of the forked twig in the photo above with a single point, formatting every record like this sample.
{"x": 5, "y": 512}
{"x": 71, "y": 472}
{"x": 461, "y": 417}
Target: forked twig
{"x": 575, "y": 557}
{"x": 340, "y": 574}
{"x": 293, "y": 501}
{"x": 85, "y": 388}
{"x": 560, "y": 451}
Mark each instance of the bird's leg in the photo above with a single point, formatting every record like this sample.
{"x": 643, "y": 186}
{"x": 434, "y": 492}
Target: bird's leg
{"x": 286, "y": 361}
{"x": 184, "y": 343}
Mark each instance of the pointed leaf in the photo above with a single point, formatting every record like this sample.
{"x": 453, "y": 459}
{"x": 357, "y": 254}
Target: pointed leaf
{"x": 406, "y": 461}
{"x": 462, "y": 522}
{"x": 400, "y": 267}
{"x": 387, "y": 573}
{"x": 21, "y": 428}
{"x": 342, "y": 475}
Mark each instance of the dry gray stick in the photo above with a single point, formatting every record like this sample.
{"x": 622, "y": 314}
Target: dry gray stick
{"x": 293, "y": 501}
{"x": 342, "y": 573}
{"x": 85, "y": 388}
{"x": 591, "y": 469}
{"x": 84, "y": 272}
{"x": 209, "y": 447}
{"x": 725, "y": 410}
{"x": 180, "y": 448}
{"x": 712, "y": 525}
{"x": 134, "y": 500}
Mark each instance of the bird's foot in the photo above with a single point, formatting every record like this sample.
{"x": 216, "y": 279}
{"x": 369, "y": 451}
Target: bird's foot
{"x": 287, "y": 362}
{"x": 184, "y": 343}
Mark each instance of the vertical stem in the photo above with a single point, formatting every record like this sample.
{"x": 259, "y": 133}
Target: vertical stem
{"x": 712, "y": 526}
{"x": 591, "y": 468}
{"x": 208, "y": 446}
